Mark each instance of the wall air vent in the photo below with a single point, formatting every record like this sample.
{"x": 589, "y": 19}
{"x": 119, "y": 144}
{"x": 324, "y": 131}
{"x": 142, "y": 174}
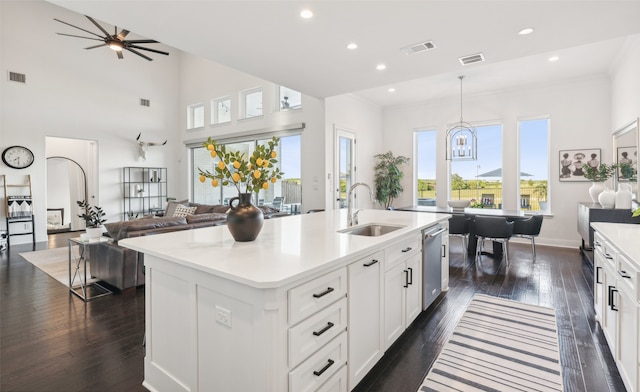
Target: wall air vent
{"x": 145, "y": 102}
{"x": 417, "y": 48}
{"x": 474, "y": 58}
{"x": 17, "y": 77}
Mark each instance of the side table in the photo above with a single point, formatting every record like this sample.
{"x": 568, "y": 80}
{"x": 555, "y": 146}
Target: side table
{"x": 79, "y": 253}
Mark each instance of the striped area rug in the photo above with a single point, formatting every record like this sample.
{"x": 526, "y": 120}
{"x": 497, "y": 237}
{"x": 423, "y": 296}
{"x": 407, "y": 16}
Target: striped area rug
{"x": 499, "y": 345}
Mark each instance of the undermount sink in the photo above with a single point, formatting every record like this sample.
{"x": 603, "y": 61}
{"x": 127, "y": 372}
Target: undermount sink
{"x": 371, "y": 230}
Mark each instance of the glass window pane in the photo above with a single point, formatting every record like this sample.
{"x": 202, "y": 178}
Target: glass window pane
{"x": 252, "y": 103}
{"x": 426, "y": 167}
{"x": 203, "y": 192}
{"x": 221, "y": 109}
{"x": 534, "y": 164}
{"x": 195, "y": 116}
{"x": 481, "y": 181}
{"x": 289, "y": 99}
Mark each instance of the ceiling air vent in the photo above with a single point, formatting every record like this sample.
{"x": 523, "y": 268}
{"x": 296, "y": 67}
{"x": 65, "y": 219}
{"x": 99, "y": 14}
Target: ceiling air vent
{"x": 474, "y": 58}
{"x": 417, "y": 48}
{"x": 145, "y": 102}
{"x": 17, "y": 77}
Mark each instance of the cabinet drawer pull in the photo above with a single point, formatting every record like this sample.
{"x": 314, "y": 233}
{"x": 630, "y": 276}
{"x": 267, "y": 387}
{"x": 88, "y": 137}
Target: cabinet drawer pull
{"x": 624, "y": 274}
{"x": 324, "y": 369}
{"x": 323, "y": 330}
{"x": 598, "y": 275}
{"x": 612, "y": 305}
{"x": 406, "y": 279}
{"x": 407, "y": 249}
{"x": 372, "y": 262}
{"x": 322, "y": 294}
{"x": 410, "y": 275}
{"x": 444, "y": 251}
{"x": 596, "y": 243}
{"x": 608, "y": 256}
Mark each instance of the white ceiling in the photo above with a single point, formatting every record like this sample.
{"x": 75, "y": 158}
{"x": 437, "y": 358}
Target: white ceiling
{"x": 268, "y": 39}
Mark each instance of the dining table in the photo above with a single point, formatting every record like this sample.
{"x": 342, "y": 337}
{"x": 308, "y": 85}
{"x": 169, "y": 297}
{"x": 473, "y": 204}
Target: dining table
{"x": 471, "y": 213}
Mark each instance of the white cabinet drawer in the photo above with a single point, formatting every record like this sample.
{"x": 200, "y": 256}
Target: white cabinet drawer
{"x": 628, "y": 274}
{"x": 605, "y": 249}
{"x": 401, "y": 251}
{"x": 337, "y": 382}
{"x": 315, "y": 295}
{"x": 319, "y": 368}
{"x": 314, "y": 332}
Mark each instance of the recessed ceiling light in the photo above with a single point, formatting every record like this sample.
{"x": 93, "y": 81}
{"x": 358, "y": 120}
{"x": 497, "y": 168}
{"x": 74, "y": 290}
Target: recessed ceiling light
{"x": 554, "y": 58}
{"x": 392, "y": 90}
{"x": 380, "y": 67}
{"x": 526, "y": 31}
{"x": 352, "y": 46}
{"x": 306, "y": 14}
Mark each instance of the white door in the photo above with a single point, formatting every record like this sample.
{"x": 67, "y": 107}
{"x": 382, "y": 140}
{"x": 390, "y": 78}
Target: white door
{"x": 345, "y": 169}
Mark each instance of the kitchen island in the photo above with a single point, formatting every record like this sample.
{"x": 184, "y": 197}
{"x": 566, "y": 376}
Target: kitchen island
{"x": 272, "y": 314}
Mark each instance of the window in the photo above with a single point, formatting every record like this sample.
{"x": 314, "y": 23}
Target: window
{"x": 425, "y": 159}
{"x": 285, "y": 194}
{"x": 251, "y": 101}
{"x": 221, "y": 109}
{"x": 534, "y": 164}
{"x": 480, "y": 181}
{"x": 195, "y": 116}
{"x": 289, "y": 99}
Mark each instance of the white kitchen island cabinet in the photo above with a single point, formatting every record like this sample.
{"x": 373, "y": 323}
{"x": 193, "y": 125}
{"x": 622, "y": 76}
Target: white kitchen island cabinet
{"x": 617, "y": 295}
{"x": 274, "y": 314}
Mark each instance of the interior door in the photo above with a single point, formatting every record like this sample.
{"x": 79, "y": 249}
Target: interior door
{"x": 345, "y": 169}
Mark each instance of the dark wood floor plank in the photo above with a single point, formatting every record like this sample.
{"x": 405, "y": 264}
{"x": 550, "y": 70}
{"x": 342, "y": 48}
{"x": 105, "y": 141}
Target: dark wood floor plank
{"x": 52, "y": 341}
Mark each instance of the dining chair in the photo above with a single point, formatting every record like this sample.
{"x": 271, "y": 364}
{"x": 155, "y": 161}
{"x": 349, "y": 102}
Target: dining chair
{"x": 529, "y": 228}
{"x": 493, "y": 228}
{"x": 459, "y": 227}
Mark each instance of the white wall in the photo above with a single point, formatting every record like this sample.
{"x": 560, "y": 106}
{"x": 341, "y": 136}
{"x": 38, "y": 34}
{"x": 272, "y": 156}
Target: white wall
{"x": 84, "y": 94}
{"x": 580, "y": 118}
{"x": 625, "y": 84}
{"x": 363, "y": 118}
{"x": 203, "y": 80}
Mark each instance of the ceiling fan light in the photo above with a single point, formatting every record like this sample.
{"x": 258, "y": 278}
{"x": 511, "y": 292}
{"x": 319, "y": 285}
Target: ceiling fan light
{"x": 116, "y": 45}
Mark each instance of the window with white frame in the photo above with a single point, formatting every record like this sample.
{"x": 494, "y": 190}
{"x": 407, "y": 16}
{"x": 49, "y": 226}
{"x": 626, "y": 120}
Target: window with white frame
{"x": 534, "y": 164}
{"x": 289, "y": 99}
{"x": 425, "y": 160}
{"x": 251, "y": 103}
{"x": 195, "y": 116}
{"x": 221, "y": 110}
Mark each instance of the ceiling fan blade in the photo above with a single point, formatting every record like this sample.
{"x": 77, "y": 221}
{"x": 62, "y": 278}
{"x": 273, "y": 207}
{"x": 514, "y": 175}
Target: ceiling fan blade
{"x": 143, "y": 41}
{"x": 119, "y": 53}
{"x": 149, "y": 49}
{"x": 138, "y": 53}
{"x": 97, "y": 46}
{"x": 79, "y": 36}
{"x": 122, "y": 34}
{"x": 98, "y": 26}
{"x": 79, "y": 28}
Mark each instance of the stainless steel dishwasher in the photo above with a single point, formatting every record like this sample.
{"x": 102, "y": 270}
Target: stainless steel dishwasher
{"x": 432, "y": 251}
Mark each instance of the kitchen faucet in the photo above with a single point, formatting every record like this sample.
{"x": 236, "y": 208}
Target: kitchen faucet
{"x": 352, "y": 218}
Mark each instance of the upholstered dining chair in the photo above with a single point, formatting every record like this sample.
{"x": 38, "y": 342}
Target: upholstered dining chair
{"x": 459, "y": 227}
{"x": 528, "y": 228}
{"x": 493, "y": 228}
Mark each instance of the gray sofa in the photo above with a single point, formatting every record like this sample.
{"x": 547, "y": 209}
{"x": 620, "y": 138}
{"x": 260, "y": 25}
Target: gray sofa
{"x": 123, "y": 268}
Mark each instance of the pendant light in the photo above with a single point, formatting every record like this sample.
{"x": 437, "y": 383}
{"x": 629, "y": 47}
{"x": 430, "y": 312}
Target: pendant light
{"x": 462, "y": 139}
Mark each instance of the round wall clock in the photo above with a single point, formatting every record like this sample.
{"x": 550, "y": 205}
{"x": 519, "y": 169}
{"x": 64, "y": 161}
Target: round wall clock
{"x": 17, "y": 157}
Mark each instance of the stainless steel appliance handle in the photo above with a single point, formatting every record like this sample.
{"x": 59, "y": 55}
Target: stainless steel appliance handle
{"x": 435, "y": 233}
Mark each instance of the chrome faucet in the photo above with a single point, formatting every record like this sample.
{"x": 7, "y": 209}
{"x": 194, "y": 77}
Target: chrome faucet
{"x": 352, "y": 218}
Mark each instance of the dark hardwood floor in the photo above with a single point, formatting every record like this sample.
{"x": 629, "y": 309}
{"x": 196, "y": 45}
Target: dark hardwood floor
{"x": 52, "y": 341}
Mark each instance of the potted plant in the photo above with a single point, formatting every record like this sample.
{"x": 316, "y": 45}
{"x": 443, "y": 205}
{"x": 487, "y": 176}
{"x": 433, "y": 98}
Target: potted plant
{"x": 387, "y": 178}
{"x": 93, "y": 217}
{"x": 597, "y": 176}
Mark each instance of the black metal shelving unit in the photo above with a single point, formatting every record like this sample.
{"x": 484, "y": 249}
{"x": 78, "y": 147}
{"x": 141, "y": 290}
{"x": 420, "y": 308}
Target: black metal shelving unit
{"x": 144, "y": 191}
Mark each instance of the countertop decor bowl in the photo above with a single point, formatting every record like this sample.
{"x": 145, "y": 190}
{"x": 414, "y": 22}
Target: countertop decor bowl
{"x": 458, "y": 204}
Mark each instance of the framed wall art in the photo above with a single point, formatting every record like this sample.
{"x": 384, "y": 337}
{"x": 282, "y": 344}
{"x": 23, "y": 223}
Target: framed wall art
{"x": 572, "y": 163}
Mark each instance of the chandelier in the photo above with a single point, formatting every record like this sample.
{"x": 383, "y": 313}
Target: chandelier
{"x": 462, "y": 139}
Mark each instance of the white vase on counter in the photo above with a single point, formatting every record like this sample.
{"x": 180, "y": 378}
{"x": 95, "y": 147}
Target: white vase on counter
{"x": 623, "y": 196}
{"x": 595, "y": 190}
{"x": 607, "y": 198}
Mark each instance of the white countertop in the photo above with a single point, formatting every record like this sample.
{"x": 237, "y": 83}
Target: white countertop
{"x": 625, "y": 236}
{"x": 286, "y": 249}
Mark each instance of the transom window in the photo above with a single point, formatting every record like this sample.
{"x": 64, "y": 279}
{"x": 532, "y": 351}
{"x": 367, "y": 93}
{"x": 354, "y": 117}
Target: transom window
{"x": 195, "y": 116}
{"x": 251, "y": 103}
{"x": 221, "y": 109}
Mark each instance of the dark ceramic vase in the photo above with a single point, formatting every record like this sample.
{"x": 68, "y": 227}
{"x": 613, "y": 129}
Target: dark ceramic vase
{"x": 244, "y": 220}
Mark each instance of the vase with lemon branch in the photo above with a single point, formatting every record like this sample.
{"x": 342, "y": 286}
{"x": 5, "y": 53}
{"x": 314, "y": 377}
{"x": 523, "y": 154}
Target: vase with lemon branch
{"x": 248, "y": 175}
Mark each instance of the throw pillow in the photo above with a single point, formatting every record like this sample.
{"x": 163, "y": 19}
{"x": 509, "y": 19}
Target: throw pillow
{"x": 171, "y": 206}
{"x": 183, "y": 211}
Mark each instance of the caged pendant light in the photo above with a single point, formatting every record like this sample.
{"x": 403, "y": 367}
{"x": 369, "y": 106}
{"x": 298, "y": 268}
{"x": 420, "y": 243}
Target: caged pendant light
{"x": 462, "y": 139}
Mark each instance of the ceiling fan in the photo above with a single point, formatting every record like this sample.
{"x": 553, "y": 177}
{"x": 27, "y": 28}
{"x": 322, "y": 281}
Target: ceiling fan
{"x": 116, "y": 41}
